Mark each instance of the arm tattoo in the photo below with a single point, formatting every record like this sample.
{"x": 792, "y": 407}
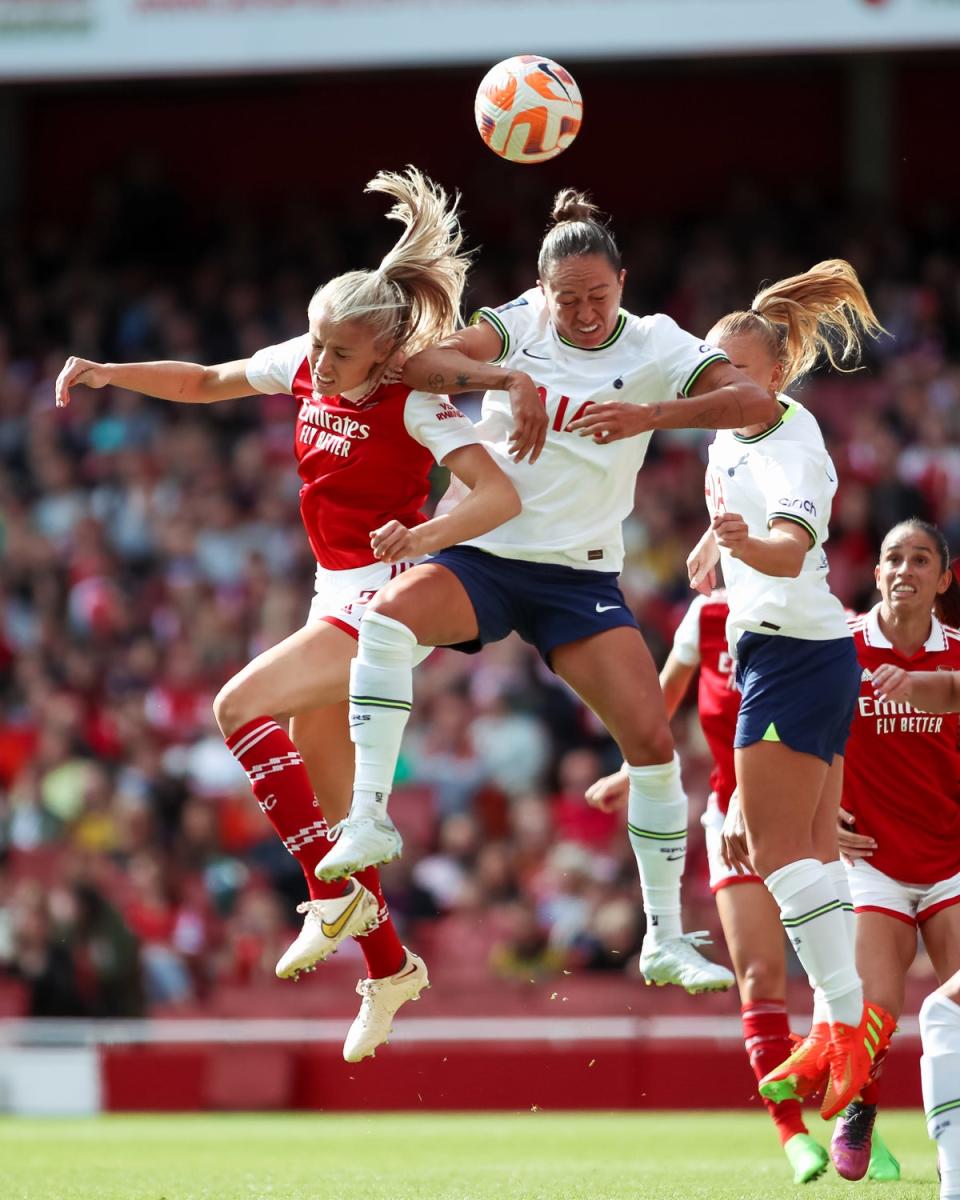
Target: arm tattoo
{"x": 463, "y": 380}
{"x": 435, "y": 382}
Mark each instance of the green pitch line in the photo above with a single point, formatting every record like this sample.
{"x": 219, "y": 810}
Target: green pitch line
{"x": 526, "y": 1156}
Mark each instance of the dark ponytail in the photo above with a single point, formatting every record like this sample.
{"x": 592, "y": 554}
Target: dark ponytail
{"x": 578, "y": 227}
{"x": 947, "y": 606}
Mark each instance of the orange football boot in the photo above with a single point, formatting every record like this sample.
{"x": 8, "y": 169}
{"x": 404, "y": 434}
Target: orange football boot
{"x": 804, "y": 1072}
{"x": 851, "y": 1054}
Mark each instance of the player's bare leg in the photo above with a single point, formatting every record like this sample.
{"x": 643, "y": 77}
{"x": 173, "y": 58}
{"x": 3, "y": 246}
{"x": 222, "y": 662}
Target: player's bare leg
{"x": 425, "y": 606}
{"x": 614, "y": 674}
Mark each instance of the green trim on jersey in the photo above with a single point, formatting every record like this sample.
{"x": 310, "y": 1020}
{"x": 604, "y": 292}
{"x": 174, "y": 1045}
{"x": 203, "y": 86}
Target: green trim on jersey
{"x": 617, "y": 330}
{"x": 940, "y": 1109}
{"x": 789, "y": 412}
{"x": 488, "y": 315}
{"x": 699, "y": 369}
{"x": 786, "y": 516}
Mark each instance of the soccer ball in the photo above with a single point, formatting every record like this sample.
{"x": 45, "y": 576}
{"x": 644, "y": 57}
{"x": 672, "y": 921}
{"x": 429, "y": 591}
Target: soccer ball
{"x": 528, "y": 108}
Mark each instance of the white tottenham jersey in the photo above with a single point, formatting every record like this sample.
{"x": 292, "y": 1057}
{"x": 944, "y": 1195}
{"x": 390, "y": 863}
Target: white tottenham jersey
{"x": 578, "y": 493}
{"x": 784, "y": 473}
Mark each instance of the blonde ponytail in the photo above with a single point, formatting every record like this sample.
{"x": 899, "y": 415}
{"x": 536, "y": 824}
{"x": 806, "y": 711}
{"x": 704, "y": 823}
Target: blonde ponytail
{"x": 823, "y": 311}
{"x": 414, "y": 295}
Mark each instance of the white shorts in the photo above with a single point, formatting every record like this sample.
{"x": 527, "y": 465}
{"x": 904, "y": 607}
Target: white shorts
{"x": 721, "y": 875}
{"x": 872, "y": 891}
{"x": 340, "y": 597}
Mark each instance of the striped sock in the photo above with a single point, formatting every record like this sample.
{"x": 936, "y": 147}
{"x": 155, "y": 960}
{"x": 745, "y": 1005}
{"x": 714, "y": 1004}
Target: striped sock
{"x": 283, "y": 790}
{"x": 657, "y": 827}
{"x": 814, "y": 920}
{"x": 940, "y": 1079}
{"x": 381, "y": 694}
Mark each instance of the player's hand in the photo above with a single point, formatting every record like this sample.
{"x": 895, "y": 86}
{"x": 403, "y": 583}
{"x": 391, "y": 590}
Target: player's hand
{"x": 394, "y": 542}
{"x": 852, "y": 845}
{"x": 610, "y": 422}
{"x": 733, "y": 840}
{"x": 529, "y": 417}
{"x": 730, "y": 532}
{"x": 701, "y": 564}
{"x": 79, "y": 370}
{"x": 893, "y": 684}
{"x": 609, "y": 793}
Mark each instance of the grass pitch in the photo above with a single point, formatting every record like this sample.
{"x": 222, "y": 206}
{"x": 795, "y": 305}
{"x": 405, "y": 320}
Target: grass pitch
{"x": 524, "y": 1156}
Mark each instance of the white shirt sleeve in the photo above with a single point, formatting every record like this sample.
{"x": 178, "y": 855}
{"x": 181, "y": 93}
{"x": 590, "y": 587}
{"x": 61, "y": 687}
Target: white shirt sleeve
{"x": 437, "y": 423}
{"x": 681, "y": 357}
{"x": 798, "y": 485}
{"x": 686, "y": 641}
{"x": 273, "y": 369}
{"x": 513, "y": 321}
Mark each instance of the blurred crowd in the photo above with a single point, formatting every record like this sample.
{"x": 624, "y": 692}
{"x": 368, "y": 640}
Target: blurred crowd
{"x": 148, "y": 550}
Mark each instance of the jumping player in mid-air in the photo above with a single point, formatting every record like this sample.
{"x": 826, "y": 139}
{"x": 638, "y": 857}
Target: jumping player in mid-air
{"x": 365, "y": 445}
{"x": 551, "y": 573}
{"x": 769, "y": 490}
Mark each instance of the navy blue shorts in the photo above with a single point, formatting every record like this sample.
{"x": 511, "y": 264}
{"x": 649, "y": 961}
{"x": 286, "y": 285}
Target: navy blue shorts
{"x": 798, "y": 692}
{"x": 547, "y": 605}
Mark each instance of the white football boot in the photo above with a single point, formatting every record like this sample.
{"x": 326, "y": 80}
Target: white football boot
{"x": 325, "y": 924}
{"x": 381, "y": 999}
{"x": 677, "y": 960}
{"x": 360, "y": 841}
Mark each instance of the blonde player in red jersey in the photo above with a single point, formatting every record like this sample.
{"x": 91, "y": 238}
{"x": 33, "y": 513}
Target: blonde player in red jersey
{"x": 901, "y": 791}
{"x": 364, "y": 447}
{"x": 748, "y": 914}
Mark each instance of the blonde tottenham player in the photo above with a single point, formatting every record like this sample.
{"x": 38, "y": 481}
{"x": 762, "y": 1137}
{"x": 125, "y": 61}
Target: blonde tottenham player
{"x": 364, "y": 449}
{"x": 900, "y": 794}
{"x": 551, "y": 573}
{"x": 769, "y": 490}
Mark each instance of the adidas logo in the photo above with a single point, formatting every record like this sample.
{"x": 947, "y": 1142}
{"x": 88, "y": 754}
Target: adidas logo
{"x": 865, "y": 675}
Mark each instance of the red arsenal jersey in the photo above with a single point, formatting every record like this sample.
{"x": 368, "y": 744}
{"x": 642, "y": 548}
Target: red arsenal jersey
{"x": 701, "y": 640}
{"x": 902, "y": 767}
{"x": 362, "y": 463}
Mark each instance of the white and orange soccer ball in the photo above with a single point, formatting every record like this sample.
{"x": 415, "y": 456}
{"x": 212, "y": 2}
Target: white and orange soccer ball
{"x": 528, "y": 108}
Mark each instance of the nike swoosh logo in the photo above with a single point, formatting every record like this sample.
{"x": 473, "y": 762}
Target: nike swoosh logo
{"x": 335, "y": 928}
{"x": 544, "y": 357}
{"x": 607, "y": 607}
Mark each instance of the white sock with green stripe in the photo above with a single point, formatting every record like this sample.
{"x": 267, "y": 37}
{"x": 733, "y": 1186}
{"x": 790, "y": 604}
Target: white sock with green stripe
{"x": 940, "y": 1080}
{"x": 657, "y": 826}
{"x": 837, "y": 874}
{"x": 813, "y": 917}
{"x": 381, "y": 692}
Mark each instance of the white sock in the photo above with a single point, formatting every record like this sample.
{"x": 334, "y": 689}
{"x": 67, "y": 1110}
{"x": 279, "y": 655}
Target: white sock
{"x": 381, "y": 692}
{"x": 837, "y": 874}
{"x": 813, "y": 918}
{"x": 940, "y": 1079}
{"x": 657, "y": 826}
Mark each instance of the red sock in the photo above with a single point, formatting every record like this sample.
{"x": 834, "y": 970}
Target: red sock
{"x": 283, "y": 790}
{"x": 382, "y": 950}
{"x": 766, "y": 1034}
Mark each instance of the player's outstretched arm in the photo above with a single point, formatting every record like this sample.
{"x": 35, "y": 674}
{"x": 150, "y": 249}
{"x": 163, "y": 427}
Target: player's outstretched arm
{"x": 722, "y": 398}
{"x": 929, "y": 691}
{"x": 186, "y": 383}
{"x": 702, "y": 564}
{"x": 492, "y": 499}
{"x": 674, "y": 681}
{"x": 462, "y": 363}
